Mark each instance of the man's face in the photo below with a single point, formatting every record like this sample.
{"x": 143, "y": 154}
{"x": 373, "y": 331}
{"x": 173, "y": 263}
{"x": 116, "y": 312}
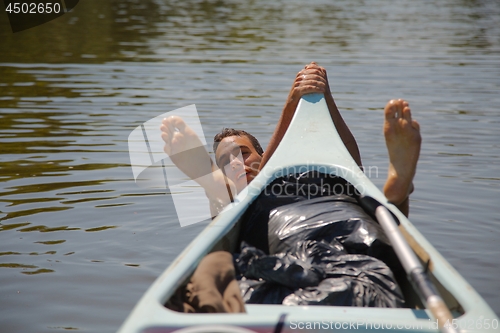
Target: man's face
{"x": 238, "y": 159}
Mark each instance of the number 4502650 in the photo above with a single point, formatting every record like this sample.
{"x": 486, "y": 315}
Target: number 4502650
{"x": 479, "y": 324}
{"x": 33, "y": 8}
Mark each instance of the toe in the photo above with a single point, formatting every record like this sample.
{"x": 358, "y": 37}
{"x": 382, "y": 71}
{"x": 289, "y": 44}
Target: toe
{"x": 390, "y": 110}
{"x": 406, "y": 114}
{"x": 403, "y": 103}
{"x": 415, "y": 125}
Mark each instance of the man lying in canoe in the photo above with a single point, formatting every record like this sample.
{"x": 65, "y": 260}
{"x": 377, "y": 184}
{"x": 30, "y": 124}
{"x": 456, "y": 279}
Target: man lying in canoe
{"x": 402, "y": 139}
{"x": 402, "y": 136}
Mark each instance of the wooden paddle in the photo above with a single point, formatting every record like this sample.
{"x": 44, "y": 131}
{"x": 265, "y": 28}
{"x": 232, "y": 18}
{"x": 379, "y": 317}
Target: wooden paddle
{"x": 412, "y": 266}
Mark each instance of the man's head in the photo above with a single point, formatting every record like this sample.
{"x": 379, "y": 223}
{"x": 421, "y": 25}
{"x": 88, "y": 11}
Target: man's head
{"x": 238, "y": 154}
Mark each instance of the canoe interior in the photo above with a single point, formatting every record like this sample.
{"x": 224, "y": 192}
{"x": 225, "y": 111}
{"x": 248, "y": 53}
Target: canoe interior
{"x": 230, "y": 242}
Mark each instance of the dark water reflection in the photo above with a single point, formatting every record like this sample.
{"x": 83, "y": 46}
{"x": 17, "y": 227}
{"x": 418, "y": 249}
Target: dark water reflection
{"x": 80, "y": 241}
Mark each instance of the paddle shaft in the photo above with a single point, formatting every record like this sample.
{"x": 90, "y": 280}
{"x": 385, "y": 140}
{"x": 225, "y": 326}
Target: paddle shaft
{"x": 415, "y": 271}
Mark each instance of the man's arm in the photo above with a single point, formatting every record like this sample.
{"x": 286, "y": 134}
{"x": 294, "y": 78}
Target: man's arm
{"x": 312, "y": 79}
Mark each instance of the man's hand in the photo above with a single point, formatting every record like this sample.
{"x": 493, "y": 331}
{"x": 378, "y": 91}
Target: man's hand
{"x": 312, "y": 79}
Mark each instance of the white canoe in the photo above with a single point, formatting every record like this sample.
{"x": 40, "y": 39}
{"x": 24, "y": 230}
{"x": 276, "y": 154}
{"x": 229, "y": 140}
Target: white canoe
{"x": 310, "y": 127}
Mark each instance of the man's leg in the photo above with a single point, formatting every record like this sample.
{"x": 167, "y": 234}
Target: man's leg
{"x": 402, "y": 137}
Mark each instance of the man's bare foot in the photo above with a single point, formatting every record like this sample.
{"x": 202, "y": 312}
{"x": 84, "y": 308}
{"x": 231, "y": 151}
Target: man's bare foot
{"x": 402, "y": 137}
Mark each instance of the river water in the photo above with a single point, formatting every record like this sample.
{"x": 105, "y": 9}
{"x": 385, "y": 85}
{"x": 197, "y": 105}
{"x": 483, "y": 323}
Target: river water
{"x": 80, "y": 242}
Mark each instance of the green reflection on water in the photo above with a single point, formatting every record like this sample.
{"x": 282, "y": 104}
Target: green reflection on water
{"x": 100, "y": 228}
{"x": 13, "y": 265}
{"x": 19, "y": 85}
{"x": 132, "y": 265}
{"x": 42, "y": 228}
{"x": 4, "y": 227}
{"x": 38, "y": 271}
{"x": 34, "y": 188}
{"x": 66, "y": 328}
{"x": 41, "y": 125}
{"x": 24, "y": 267}
{"x": 113, "y": 205}
{"x": 10, "y": 253}
{"x": 54, "y": 242}
{"x": 106, "y": 26}
{"x": 27, "y": 212}
{"x": 86, "y": 200}
{"x": 37, "y": 254}
{"x": 15, "y": 202}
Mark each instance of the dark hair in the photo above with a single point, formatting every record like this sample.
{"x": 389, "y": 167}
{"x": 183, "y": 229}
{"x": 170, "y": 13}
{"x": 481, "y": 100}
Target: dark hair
{"x": 227, "y": 132}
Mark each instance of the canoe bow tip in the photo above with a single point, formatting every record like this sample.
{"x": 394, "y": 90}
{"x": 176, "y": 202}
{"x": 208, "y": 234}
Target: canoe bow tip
{"x": 313, "y": 98}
